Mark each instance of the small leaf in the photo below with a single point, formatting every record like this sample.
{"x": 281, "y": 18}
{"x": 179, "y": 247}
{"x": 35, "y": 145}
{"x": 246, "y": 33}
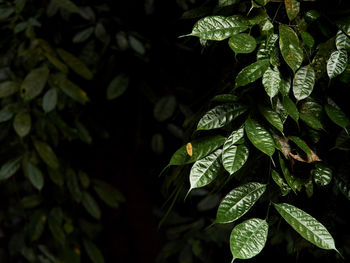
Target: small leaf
{"x": 8, "y": 88}
{"x": 322, "y": 174}
{"x": 342, "y": 41}
{"x": 308, "y": 39}
{"x": 248, "y": 238}
{"x": 337, "y": 63}
{"x": 108, "y": 194}
{"x": 93, "y": 252}
{"x": 291, "y": 108}
{"x": 73, "y": 185}
{"x": 307, "y": 226}
{"x": 303, "y": 83}
{"x": 6, "y": 114}
{"x": 219, "y": 27}
{"x": 31, "y": 201}
{"x": 290, "y": 47}
{"x": 236, "y": 137}
{"x": 117, "y": 87}
{"x": 84, "y": 179}
{"x": 301, "y": 144}
{"x": 292, "y": 8}
{"x": 83, "y": 35}
{"x": 47, "y": 154}
{"x": 259, "y": 137}
{"x": 9, "y": 168}
{"x": 73, "y": 91}
{"x": 205, "y": 170}
{"x": 272, "y": 81}
{"x": 234, "y": 157}
{"x": 292, "y": 181}
{"x": 50, "y": 100}
{"x": 200, "y": 148}
{"x": 337, "y": 116}
{"x": 37, "y": 224}
{"x": 35, "y": 175}
{"x": 55, "y": 222}
{"x": 67, "y": 5}
{"x": 164, "y": 108}
{"x": 311, "y": 121}
{"x": 272, "y": 117}
{"x": 242, "y": 43}
{"x": 34, "y": 83}
{"x": 22, "y": 123}
{"x": 189, "y": 149}
{"x": 224, "y": 98}
{"x": 252, "y": 72}
{"x": 56, "y": 177}
{"x": 91, "y": 205}
{"x": 285, "y": 189}
{"x": 220, "y": 116}
{"x": 239, "y": 201}
{"x": 223, "y": 3}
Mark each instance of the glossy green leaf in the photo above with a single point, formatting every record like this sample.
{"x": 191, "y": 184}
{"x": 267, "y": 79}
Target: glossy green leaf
{"x": 248, "y": 238}
{"x": 219, "y": 27}
{"x": 37, "y": 224}
{"x": 200, "y": 147}
{"x": 337, "y": 63}
{"x": 22, "y": 123}
{"x": 259, "y": 137}
{"x": 220, "y": 116}
{"x": 46, "y": 154}
{"x": 239, "y": 201}
{"x": 322, "y": 174}
{"x": 285, "y": 189}
{"x": 205, "y": 170}
{"x": 242, "y": 43}
{"x": 9, "y": 168}
{"x": 108, "y": 194}
{"x": 266, "y": 48}
{"x": 319, "y": 62}
{"x": 35, "y": 175}
{"x": 303, "y": 83}
{"x": 311, "y": 121}
{"x": 8, "y": 88}
{"x": 117, "y": 87}
{"x": 34, "y": 83}
{"x": 291, "y": 108}
{"x": 91, "y": 205}
{"x": 342, "y": 41}
{"x": 294, "y": 182}
{"x": 290, "y": 47}
{"x": 234, "y": 157}
{"x": 281, "y": 111}
{"x": 236, "y": 137}
{"x": 164, "y": 108}
{"x": 224, "y": 98}
{"x": 292, "y": 8}
{"x": 337, "y": 116}
{"x": 223, "y": 3}
{"x": 75, "y": 64}
{"x": 93, "y": 252}
{"x": 252, "y": 72}
{"x": 68, "y": 5}
{"x": 73, "y": 91}
{"x": 73, "y": 185}
{"x": 55, "y": 225}
{"x": 301, "y": 144}
{"x": 307, "y": 226}
{"x": 272, "y": 81}
{"x": 272, "y": 117}
{"x": 50, "y": 100}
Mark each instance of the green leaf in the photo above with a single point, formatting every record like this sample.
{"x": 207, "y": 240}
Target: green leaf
{"x": 55, "y": 225}
{"x": 342, "y": 41}
{"x": 236, "y": 137}
{"x": 234, "y": 157}
{"x": 307, "y": 226}
{"x": 311, "y": 121}
{"x": 117, "y": 87}
{"x": 259, "y": 137}
{"x": 73, "y": 185}
{"x": 272, "y": 81}
{"x": 337, "y": 63}
{"x": 205, "y": 170}
{"x": 224, "y": 98}
{"x": 309, "y": 188}
{"x": 322, "y": 174}
{"x": 67, "y": 5}
{"x": 75, "y": 64}
{"x": 35, "y": 175}
{"x": 37, "y": 224}
{"x": 285, "y": 189}
{"x": 108, "y": 194}
{"x": 308, "y": 39}
{"x": 22, "y": 123}
{"x": 290, "y": 47}
{"x": 91, "y": 205}
{"x": 9, "y": 168}
{"x": 292, "y": 8}
{"x": 337, "y": 116}
{"x": 56, "y": 177}
{"x": 200, "y": 148}
{"x": 272, "y": 117}
{"x": 266, "y": 48}
{"x": 34, "y": 83}
{"x": 50, "y": 100}
{"x": 219, "y": 27}
{"x": 93, "y": 252}
{"x": 239, "y": 201}
{"x": 46, "y": 154}
{"x": 294, "y": 182}
{"x": 31, "y": 201}
{"x": 84, "y": 179}
{"x": 223, "y": 3}
{"x": 6, "y": 114}
{"x": 220, "y": 116}
{"x": 83, "y": 35}
{"x": 8, "y": 88}
{"x": 301, "y": 144}
{"x": 248, "y": 238}
{"x": 252, "y": 72}
{"x": 291, "y": 108}
{"x": 242, "y": 43}
{"x": 73, "y": 91}
{"x": 303, "y": 83}
{"x": 164, "y": 108}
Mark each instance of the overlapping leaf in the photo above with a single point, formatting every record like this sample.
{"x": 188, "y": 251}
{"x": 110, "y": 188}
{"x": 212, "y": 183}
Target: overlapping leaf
{"x": 337, "y": 116}
{"x": 294, "y": 182}
{"x": 285, "y": 189}
{"x": 303, "y": 83}
{"x": 34, "y": 83}
{"x": 242, "y": 43}
{"x": 342, "y": 41}
{"x": 252, "y": 72}
{"x": 322, "y": 174}
{"x": 301, "y": 144}
{"x": 272, "y": 117}
{"x": 234, "y": 157}
{"x": 337, "y": 63}
{"x": 292, "y": 8}
{"x": 272, "y": 81}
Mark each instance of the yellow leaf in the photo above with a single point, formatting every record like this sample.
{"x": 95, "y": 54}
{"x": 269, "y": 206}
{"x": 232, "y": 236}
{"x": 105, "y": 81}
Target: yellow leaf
{"x": 189, "y": 149}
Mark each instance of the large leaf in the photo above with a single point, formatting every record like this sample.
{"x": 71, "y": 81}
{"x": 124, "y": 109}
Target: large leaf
{"x": 307, "y": 226}
{"x": 22, "y": 123}
{"x": 291, "y": 108}
{"x": 252, "y": 72}
{"x": 342, "y": 41}
{"x": 220, "y": 116}
{"x": 34, "y": 83}
{"x": 200, "y": 148}
{"x": 337, "y": 63}
{"x": 219, "y": 27}
{"x": 242, "y": 43}
{"x": 47, "y": 154}
{"x": 234, "y": 157}
{"x": 337, "y": 116}
{"x": 322, "y": 174}
{"x": 35, "y": 175}
{"x": 50, "y": 100}
{"x": 239, "y": 201}
{"x": 272, "y": 81}
{"x": 248, "y": 238}
{"x": 9, "y": 168}
{"x": 290, "y": 47}
{"x": 303, "y": 83}
{"x": 117, "y": 87}
{"x": 8, "y": 88}
{"x": 259, "y": 137}
{"x": 73, "y": 91}
{"x": 292, "y": 8}
{"x": 91, "y": 205}
{"x": 93, "y": 252}
{"x": 272, "y": 117}
{"x": 205, "y": 170}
